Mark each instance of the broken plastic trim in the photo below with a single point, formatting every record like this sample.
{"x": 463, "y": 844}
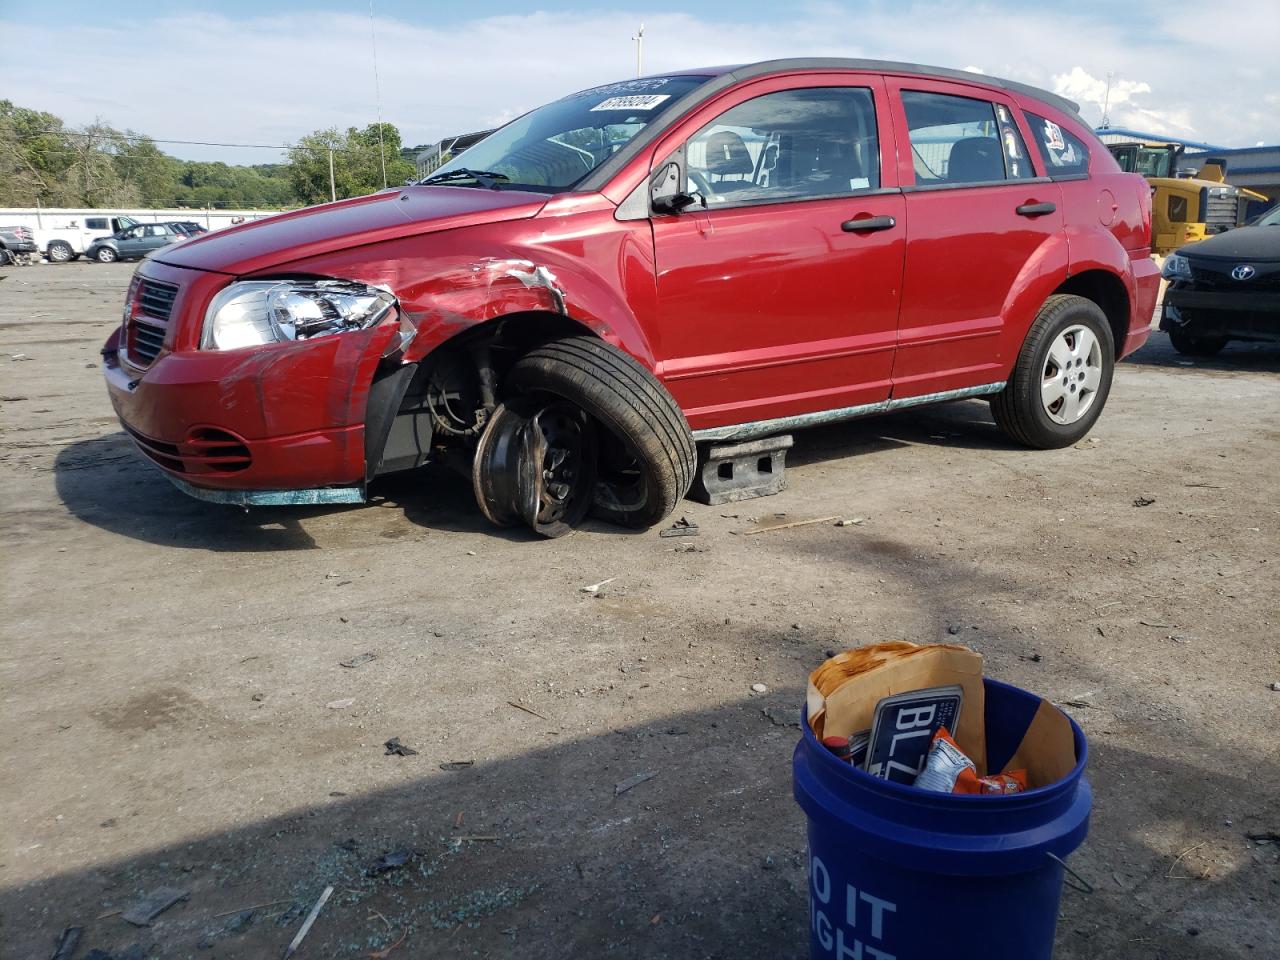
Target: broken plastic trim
{"x": 764, "y": 428}
{"x": 272, "y": 498}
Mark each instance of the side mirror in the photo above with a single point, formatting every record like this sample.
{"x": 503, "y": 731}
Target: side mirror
{"x": 665, "y": 195}
{"x": 677, "y": 202}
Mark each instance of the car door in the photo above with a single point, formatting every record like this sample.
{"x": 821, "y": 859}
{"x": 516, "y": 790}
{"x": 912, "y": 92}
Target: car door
{"x": 977, "y": 213}
{"x": 132, "y": 242}
{"x": 780, "y": 296}
{"x": 157, "y": 235}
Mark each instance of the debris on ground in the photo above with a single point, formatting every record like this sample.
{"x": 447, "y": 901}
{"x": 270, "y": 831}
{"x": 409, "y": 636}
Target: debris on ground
{"x": 397, "y": 749}
{"x": 1264, "y": 836}
{"x": 67, "y": 944}
{"x": 358, "y": 660}
{"x": 1276, "y": 686}
{"x": 528, "y": 710}
{"x": 295, "y": 910}
{"x": 340, "y": 704}
{"x": 457, "y": 764}
{"x": 386, "y": 951}
{"x": 152, "y": 905}
{"x": 681, "y": 528}
{"x": 1143, "y": 501}
{"x": 594, "y": 588}
{"x": 850, "y": 522}
{"x": 388, "y": 862}
{"x": 759, "y": 688}
{"x": 793, "y": 523}
{"x": 240, "y": 922}
{"x": 687, "y": 548}
{"x": 306, "y": 924}
{"x": 625, "y": 785}
{"x": 773, "y": 718}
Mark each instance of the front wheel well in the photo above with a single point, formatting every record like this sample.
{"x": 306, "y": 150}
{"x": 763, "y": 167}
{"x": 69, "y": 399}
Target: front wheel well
{"x": 1108, "y": 292}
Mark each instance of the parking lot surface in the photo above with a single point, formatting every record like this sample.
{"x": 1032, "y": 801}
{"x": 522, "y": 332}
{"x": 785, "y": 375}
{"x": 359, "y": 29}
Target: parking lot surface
{"x": 176, "y": 711}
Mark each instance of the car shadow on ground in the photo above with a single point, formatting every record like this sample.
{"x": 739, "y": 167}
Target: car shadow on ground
{"x": 1237, "y": 356}
{"x": 106, "y": 483}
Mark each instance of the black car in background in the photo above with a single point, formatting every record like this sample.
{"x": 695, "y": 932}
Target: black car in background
{"x": 1224, "y": 288}
{"x": 15, "y": 241}
{"x": 188, "y": 228}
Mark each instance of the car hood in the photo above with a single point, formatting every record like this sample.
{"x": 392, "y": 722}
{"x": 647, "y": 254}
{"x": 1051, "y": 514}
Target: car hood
{"x": 1241, "y": 244}
{"x": 313, "y": 231}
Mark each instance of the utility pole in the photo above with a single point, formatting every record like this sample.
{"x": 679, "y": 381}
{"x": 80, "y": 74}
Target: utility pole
{"x": 333, "y": 190}
{"x": 639, "y": 39}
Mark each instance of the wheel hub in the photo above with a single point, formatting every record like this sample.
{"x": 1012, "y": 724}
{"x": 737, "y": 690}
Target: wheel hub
{"x": 1071, "y": 375}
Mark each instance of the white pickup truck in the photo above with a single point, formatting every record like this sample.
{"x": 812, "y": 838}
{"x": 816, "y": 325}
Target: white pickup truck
{"x": 63, "y": 238}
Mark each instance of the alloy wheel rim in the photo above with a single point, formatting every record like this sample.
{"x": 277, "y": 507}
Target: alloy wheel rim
{"x": 1072, "y": 375}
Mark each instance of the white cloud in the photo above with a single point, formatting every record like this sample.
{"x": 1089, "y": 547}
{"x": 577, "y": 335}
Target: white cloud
{"x": 272, "y": 79}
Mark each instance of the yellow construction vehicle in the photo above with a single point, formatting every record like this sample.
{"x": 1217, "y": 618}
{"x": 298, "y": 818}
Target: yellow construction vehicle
{"x": 1184, "y": 208}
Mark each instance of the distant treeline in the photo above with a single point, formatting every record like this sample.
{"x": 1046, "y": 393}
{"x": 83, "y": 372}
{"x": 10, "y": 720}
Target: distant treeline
{"x": 45, "y": 162}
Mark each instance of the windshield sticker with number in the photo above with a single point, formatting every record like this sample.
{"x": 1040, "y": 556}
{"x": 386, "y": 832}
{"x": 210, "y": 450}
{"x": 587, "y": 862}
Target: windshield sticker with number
{"x": 632, "y": 103}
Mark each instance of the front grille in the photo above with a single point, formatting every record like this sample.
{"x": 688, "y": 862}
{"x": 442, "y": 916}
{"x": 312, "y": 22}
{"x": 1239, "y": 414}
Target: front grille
{"x": 1221, "y": 211}
{"x": 206, "y": 450}
{"x": 149, "y": 320}
{"x": 155, "y": 300}
{"x": 145, "y": 341}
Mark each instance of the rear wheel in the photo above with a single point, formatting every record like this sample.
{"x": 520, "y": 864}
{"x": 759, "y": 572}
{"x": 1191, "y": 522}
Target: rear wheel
{"x": 627, "y": 442}
{"x": 1192, "y": 346}
{"x": 106, "y": 255}
{"x": 59, "y": 252}
{"x": 1062, "y": 377}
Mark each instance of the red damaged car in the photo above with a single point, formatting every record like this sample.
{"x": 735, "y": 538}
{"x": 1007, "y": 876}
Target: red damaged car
{"x": 571, "y": 305}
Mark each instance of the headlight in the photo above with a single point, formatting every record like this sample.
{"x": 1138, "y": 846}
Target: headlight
{"x": 1176, "y": 267}
{"x": 256, "y": 312}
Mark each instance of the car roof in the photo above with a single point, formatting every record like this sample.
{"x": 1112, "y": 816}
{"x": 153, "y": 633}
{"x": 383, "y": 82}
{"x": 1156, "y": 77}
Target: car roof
{"x": 745, "y": 71}
{"x": 726, "y": 76}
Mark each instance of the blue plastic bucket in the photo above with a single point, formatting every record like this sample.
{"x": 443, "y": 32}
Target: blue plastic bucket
{"x": 897, "y": 873}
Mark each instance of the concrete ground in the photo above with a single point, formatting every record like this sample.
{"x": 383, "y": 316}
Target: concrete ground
{"x": 176, "y": 712}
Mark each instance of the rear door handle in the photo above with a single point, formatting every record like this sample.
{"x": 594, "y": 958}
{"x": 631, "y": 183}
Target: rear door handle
{"x": 1035, "y": 209}
{"x": 868, "y": 224}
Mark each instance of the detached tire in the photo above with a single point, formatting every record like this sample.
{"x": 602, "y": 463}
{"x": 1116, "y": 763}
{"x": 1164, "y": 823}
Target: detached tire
{"x": 1062, "y": 377}
{"x": 646, "y": 451}
{"x": 1192, "y": 346}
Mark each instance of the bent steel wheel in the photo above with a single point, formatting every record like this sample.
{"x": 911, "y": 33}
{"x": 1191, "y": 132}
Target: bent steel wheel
{"x": 1072, "y": 375}
{"x": 536, "y": 462}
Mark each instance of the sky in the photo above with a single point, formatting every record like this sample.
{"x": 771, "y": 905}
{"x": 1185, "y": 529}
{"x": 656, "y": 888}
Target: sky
{"x": 271, "y": 72}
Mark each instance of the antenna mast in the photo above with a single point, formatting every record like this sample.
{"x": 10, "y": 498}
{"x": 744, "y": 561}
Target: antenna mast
{"x": 377, "y": 93}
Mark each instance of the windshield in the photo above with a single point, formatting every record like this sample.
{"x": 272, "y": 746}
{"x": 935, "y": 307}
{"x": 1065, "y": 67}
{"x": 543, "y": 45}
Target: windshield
{"x": 554, "y": 147}
{"x": 1271, "y": 218}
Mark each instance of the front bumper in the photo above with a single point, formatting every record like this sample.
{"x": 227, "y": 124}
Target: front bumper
{"x": 266, "y": 425}
{"x": 1243, "y": 315}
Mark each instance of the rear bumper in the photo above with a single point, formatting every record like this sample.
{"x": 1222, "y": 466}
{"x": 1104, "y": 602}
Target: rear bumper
{"x": 1146, "y": 289}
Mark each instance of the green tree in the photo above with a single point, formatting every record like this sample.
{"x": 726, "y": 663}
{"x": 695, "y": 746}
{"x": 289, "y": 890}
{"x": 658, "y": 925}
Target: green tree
{"x": 358, "y": 162}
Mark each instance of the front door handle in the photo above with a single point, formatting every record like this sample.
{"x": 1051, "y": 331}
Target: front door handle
{"x": 868, "y": 224}
{"x": 1035, "y": 209}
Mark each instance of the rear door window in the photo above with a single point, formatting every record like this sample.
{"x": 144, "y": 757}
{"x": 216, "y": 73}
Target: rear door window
{"x": 1064, "y": 154}
{"x": 961, "y": 140}
{"x": 789, "y": 145}
{"x": 95, "y": 223}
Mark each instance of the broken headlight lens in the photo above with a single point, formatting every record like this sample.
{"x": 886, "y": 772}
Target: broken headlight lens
{"x": 1176, "y": 267}
{"x": 252, "y": 313}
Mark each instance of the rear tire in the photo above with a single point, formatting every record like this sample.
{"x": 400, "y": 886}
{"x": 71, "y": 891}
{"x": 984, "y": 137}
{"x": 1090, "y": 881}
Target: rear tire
{"x": 1192, "y": 346}
{"x": 1062, "y": 377}
{"x": 59, "y": 252}
{"x": 647, "y": 455}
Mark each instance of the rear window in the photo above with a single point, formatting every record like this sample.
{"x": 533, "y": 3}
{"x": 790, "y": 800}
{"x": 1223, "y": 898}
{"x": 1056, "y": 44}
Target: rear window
{"x": 95, "y": 223}
{"x": 958, "y": 140}
{"x": 1063, "y": 153}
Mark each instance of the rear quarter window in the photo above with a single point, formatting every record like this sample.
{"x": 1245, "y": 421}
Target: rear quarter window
{"x": 1064, "y": 154}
